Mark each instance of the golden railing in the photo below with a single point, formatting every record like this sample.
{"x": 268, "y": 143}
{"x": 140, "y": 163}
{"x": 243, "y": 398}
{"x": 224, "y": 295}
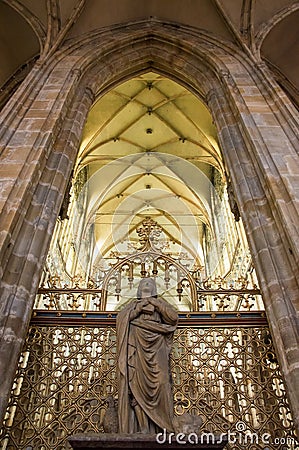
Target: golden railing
{"x": 217, "y": 294}
{"x": 223, "y": 366}
{"x": 179, "y": 280}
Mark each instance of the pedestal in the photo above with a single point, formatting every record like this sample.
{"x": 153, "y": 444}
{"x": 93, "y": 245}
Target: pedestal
{"x": 117, "y": 441}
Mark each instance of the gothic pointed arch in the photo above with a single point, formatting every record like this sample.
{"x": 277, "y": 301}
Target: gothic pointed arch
{"x": 243, "y": 110}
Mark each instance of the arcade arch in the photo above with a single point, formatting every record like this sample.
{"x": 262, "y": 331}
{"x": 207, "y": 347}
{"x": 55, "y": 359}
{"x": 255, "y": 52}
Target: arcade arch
{"x": 257, "y": 140}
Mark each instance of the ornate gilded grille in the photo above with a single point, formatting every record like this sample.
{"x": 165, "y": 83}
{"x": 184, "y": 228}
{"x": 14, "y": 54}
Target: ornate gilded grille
{"x": 178, "y": 279}
{"x": 228, "y": 375}
{"x": 189, "y": 293}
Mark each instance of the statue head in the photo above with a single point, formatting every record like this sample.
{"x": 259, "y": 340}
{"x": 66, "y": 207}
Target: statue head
{"x": 147, "y": 288}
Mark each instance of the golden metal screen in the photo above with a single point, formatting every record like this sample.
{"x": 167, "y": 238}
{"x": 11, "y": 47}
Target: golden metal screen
{"x": 229, "y": 376}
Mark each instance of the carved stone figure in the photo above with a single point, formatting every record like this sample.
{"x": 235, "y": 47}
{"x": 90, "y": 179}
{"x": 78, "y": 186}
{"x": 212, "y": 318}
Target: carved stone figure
{"x": 145, "y": 330}
{"x": 110, "y": 421}
{"x": 233, "y": 202}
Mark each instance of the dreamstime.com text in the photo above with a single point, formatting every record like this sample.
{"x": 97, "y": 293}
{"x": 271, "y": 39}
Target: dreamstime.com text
{"x": 236, "y": 437}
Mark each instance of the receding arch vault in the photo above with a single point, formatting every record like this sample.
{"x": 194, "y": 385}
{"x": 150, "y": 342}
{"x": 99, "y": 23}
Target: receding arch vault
{"x": 149, "y": 146}
{"x": 257, "y": 139}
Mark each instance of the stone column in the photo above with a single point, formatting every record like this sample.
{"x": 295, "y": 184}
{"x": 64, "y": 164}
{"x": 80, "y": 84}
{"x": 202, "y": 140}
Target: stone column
{"x": 257, "y": 139}
{"x": 42, "y": 126}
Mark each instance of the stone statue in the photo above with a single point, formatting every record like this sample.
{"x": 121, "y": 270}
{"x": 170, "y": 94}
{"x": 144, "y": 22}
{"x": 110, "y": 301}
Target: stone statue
{"x": 145, "y": 329}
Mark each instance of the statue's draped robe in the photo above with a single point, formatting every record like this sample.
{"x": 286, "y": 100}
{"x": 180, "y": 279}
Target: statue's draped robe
{"x": 144, "y": 345}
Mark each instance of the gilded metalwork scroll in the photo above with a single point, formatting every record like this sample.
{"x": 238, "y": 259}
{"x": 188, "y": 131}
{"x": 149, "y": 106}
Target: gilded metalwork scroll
{"x": 179, "y": 288}
{"x": 177, "y": 277}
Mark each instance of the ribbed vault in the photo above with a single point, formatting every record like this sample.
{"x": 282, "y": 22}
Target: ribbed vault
{"x": 149, "y": 148}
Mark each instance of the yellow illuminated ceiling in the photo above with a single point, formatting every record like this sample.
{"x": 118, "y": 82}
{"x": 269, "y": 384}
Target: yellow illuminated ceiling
{"x": 149, "y": 113}
{"x": 149, "y": 148}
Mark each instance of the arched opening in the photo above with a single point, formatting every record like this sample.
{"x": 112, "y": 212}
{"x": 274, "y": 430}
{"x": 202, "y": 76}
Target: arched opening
{"x": 149, "y": 161}
{"x": 148, "y": 197}
{"x": 205, "y": 66}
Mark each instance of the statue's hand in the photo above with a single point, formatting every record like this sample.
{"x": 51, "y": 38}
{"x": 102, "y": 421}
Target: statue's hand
{"x": 155, "y": 302}
{"x": 141, "y": 305}
{"x": 138, "y": 309}
{"x": 144, "y": 303}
